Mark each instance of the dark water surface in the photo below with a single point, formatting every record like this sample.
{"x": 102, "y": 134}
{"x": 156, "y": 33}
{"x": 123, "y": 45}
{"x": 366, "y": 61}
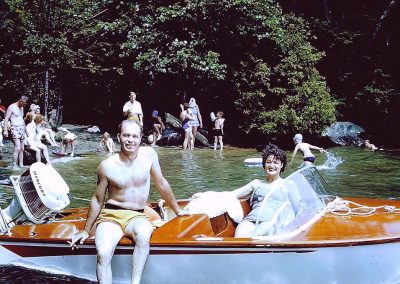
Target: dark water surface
{"x": 353, "y": 172}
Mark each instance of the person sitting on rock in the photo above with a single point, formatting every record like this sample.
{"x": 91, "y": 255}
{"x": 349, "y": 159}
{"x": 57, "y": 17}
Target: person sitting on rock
{"x": 32, "y": 142}
{"x": 107, "y": 143}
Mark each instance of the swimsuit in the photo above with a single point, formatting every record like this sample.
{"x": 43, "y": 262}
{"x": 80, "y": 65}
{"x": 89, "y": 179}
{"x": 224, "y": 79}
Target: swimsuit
{"x": 195, "y": 122}
{"x": 18, "y": 132}
{"x": 309, "y": 159}
{"x": 217, "y": 132}
{"x": 120, "y": 216}
{"x": 276, "y": 198}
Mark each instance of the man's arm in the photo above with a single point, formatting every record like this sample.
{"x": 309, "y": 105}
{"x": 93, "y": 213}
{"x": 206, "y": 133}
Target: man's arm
{"x": 199, "y": 116}
{"x": 125, "y": 110}
{"x": 315, "y": 148}
{"x": 293, "y": 155}
{"x": 95, "y": 206}
{"x": 6, "y": 119}
{"x": 162, "y": 185}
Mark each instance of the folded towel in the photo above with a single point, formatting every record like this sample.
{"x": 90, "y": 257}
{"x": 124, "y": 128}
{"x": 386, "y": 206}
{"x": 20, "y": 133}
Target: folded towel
{"x": 216, "y": 203}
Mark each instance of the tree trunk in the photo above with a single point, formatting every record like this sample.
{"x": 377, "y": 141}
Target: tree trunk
{"x": 380, "y": 22}
{"x": 327, "y": 11}
{"x": 46, "y": 91}
{"x": 59, "y": 99}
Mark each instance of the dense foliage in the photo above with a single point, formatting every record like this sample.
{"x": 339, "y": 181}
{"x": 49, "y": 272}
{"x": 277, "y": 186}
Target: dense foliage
{"x": 259, "y": 63}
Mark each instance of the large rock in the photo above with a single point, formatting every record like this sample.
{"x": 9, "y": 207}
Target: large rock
{"x": 344, "y": 133}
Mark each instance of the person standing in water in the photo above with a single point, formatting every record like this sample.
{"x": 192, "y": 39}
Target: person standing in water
{"x": 305, "y": 148}
{"x": 218, "y": 130}
{"x": 15, "y": 114}
{"x": 133, "y": 109}
{"x": 197, "y": 121}
{"x": 125, "y": 176}
{"x": 186, "y": 117}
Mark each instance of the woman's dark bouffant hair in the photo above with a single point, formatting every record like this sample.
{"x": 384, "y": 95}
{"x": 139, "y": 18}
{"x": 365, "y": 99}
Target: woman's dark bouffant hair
{"x": 273, "y": 150}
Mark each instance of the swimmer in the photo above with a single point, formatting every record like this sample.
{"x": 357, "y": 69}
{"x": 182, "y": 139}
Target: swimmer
{"x": 370, "y": 146}
{"x": 305, "y": 148}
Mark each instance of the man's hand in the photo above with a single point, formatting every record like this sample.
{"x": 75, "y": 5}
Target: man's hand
{"x": 82, "y": 236}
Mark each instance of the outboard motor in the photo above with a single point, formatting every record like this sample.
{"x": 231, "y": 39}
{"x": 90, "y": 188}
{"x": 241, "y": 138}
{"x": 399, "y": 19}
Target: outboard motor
{"x": 39, "y": 192}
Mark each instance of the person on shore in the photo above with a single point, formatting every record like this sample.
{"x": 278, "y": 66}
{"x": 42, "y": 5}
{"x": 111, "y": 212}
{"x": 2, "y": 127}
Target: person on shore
{"x": 107, "y": 143}
{"x": 125, "y": 176}
{"x": 219, "y": 130}
{"x": 133, "y": 109}
{"x": 305, "y": 149}
{"x": 158, "y": 127}
{"x": 2, "y": 116}
{"x": 32, "y": 140}
{"x": 186, "y": 117}
{"x": 68, "y": 140}
{"x": 197, "y": 121}
{"x": 43, "y": 130}
{"x": 32, "y": 110}
{"x": 15, "y": 114}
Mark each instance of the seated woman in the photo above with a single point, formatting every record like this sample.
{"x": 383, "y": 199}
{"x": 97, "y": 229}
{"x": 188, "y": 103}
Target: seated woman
{"x": 267, "y": 196}
{"x": 32, "y": 141}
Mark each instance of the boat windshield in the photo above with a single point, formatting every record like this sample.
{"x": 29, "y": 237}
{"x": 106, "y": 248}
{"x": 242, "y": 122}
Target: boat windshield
{"x": 308, "y": 194}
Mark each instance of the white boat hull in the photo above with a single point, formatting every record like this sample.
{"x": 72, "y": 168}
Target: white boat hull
{"x": 377, "y": 263}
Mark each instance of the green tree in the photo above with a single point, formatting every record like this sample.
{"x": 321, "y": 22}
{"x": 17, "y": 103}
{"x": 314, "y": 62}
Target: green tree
{"x": 262, "y": 57}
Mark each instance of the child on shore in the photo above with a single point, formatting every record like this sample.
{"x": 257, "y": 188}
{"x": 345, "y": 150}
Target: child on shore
{"x": 107, "y": 143}
{"x": 305, "y": 148}
{"x": 218, "y": 129}
{"x": 158, "y": 127}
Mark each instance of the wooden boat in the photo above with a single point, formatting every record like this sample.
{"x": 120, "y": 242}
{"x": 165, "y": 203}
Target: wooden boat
{"x": 175, "y": 122}
{"x": 329, "y": 241}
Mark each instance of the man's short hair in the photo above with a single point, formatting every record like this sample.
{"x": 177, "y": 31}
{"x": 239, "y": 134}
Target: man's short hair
{"x": 131, "y": 93}
{"x": 273, "y": 150}
{"x": 129, "y": 121}
{"x": 23, "y": 99}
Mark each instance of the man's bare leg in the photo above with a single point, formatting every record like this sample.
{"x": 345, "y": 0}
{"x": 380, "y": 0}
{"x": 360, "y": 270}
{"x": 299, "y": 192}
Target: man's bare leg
{"x": 107, "y": 237}
{"x": 140, "y": 230}
{"x": 38, "y": 155}
{"x": 18, "y": 154}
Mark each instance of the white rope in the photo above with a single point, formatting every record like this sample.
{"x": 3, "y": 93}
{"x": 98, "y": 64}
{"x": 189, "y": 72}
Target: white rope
{"x": 342, "y": 207}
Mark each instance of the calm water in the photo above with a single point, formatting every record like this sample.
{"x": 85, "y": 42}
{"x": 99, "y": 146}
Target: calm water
{"x": 349, "y": 171}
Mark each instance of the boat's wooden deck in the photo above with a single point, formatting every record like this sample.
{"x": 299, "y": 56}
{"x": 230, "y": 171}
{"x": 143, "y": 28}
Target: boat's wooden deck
{"x": 329, "y": 230}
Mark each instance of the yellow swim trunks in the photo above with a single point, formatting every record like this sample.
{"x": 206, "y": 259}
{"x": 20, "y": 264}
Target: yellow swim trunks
{"x": 120, "y": 217}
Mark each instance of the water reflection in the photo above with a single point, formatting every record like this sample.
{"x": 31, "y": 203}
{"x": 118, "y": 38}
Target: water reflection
{"x": 349, "y": 171}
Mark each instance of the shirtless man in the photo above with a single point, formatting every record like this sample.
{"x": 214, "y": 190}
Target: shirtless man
{"x": 305, "y": 148}
{"x": 15, "y": 114}
{"x": 126, "y": 177}
{"x": 133, "y": 109}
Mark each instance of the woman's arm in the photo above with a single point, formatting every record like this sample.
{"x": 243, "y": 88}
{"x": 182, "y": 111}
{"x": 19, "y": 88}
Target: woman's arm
{"x": 245, "y": 190}
{"x": 199, "y": 116}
